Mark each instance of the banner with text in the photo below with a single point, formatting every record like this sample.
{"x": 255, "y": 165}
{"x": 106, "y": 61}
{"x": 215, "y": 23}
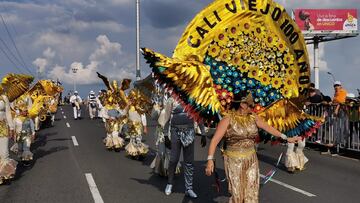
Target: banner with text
{"x": 327, "y": 20}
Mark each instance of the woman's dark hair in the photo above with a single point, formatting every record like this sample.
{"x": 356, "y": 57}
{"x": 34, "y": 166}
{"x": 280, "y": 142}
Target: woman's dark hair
{"x": 235, "y": 105}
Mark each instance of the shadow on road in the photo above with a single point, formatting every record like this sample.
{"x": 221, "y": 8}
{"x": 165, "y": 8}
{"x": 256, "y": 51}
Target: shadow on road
{"x": 203, "y": 185}
{"x": 40, "y": 141}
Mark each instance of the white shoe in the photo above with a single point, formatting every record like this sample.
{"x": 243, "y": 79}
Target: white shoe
{"x": 191, "y": 194}
{"x": 168, "y": 189}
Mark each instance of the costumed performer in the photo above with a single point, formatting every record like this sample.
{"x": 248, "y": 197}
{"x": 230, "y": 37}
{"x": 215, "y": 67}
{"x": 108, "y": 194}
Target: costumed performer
{"x": 9, "y": 92}
{"x": 76, "y": 101}
{"x": 137, "y": 126}
{"x": 240, "y": 130}
{"x": 160, "y": 164}
{"x": 182, "y": 138}
{"x": 24, "y": 134}
{"x": 233, "y": 48}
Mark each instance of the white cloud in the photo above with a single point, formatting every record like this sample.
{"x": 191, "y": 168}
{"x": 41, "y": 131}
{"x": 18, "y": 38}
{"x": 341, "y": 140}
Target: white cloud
{"x": 41, "y": 64}
{"x": 102, "y": 59}
{"x": 111, "y": 26}
{"x": 49, "y": 53}
{"x": 106, "y": 48}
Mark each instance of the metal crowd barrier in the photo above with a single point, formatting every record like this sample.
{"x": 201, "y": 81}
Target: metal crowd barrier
{"x": 341, "y": 130}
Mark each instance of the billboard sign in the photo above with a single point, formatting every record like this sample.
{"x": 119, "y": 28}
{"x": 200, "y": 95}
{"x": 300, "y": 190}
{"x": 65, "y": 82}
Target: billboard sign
{"x": 327, "y": 20}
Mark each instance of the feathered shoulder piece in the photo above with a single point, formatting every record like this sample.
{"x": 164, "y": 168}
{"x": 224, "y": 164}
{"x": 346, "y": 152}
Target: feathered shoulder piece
{"x": 231, "y": 47}
{"x": 140, "y": 102}
{"x": 14, "y": 85}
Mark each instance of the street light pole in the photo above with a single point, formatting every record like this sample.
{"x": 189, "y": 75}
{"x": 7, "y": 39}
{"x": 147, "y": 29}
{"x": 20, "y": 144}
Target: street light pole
{"x": 138, "y": 73}
{"x": 316, "y": 63}
{"x": 74, "y": 70}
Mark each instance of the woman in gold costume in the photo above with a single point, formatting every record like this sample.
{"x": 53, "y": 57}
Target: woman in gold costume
{"x": 240, "y": 129}
{"x": 137, "y": 125}
{"x": 113, "y": 125}
{"x": 7, "y": 165}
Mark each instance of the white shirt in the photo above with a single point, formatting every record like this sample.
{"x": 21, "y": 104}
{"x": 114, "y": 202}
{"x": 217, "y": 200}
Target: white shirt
{"x": 75, "y": 98}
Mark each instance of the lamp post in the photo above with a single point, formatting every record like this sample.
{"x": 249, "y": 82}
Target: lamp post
{"x": 74, "y": 70}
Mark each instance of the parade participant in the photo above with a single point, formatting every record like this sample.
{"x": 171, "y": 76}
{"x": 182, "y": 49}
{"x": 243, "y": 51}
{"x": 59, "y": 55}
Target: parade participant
{"x": 8, "y": 93}
{"x": 295, "y": 158}
{"x": 113, "y": 126}
{"x": 53, "y": 104}
{"x": 137, "y": 125}
{"x": 92, "y": 104}
{"x": 7, "y": 165}
{"x": 24, "y": 134}
{"x": 116, "y": 107}
{"x": 240, "y": 129}
{"x": 160, "y": 164}
{"x": 101, "y": 110}
{"x": 231, "y": 48}
{"x": 76, "y": 101}
{"x": 182, "y": 138}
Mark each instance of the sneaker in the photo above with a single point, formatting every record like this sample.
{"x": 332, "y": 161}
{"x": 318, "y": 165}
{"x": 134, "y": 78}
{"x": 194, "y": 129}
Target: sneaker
{"x": 191, "y": 194}
{"x": 326, "y": 153}
{"x": 168, "y": 189}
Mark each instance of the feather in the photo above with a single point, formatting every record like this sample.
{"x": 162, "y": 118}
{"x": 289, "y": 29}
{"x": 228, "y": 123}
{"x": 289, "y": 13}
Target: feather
{"x": 105, "y": 80}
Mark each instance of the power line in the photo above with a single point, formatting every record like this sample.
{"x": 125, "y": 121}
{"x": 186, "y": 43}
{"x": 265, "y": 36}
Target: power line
{"x": 11, "y": 53}
{"x": 13, "y": 42}
{"x": 7, "y": 56}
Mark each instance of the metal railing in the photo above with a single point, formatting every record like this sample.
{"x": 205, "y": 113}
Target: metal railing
{"x": 341, "y": 127}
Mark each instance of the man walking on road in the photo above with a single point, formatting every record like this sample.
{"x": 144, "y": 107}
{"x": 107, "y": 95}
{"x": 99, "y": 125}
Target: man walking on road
{"x": 76, "y": 101}
{"x": 92, "y": 104}
{"x": 182, "y": 138}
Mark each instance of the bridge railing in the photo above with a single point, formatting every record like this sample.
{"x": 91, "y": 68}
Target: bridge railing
{"x": 341, "y": 127}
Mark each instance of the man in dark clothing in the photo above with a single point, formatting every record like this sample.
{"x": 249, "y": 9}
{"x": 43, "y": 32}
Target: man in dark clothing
{"x": 314, "y": 97}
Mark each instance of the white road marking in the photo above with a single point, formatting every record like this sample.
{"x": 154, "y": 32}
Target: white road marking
{"x": 67, "y": 124}
{"x": 64, "y": 117}
{"x": 75, "y": 141}
{"x": 93, "y": 188}
{"x": 62, "y": 112}
{"x": 290, "y": 187}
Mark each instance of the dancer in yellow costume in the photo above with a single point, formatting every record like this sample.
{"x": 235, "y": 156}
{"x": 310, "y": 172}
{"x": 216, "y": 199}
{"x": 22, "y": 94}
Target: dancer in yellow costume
{"x": 24, "y": 133}
{"x": 9, "y": 92}
{"x": 232, "y": 49}
{"x": 115, "y": 103}
{"x": 137, "y": 124}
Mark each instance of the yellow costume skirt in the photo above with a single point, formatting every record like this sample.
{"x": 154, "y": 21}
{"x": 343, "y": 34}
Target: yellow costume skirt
{"x": 3, "y": 129}
{"x": 242, "y": 171}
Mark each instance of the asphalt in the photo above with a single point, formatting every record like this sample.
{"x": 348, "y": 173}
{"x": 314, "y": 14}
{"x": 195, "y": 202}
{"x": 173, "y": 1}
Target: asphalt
{"x": 58, "y": 172}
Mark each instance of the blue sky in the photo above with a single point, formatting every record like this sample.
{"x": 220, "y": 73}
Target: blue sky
{"x": 94, "y": 35}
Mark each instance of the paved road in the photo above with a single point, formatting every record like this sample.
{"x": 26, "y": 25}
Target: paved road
{"x": 59, "y": 173}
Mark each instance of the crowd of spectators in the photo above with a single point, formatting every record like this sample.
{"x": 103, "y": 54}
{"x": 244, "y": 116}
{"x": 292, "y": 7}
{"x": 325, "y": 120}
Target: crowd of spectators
{"x": 342, "y": 116}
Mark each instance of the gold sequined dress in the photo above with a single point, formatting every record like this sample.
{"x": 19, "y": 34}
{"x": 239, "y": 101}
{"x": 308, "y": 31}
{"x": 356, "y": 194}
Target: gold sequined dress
{"x": 240, "y": 160}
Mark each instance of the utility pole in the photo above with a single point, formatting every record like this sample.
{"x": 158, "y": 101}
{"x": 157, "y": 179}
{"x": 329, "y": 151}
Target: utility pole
{"x": 316, "y": 63}
{"x": 138, "y": 73}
